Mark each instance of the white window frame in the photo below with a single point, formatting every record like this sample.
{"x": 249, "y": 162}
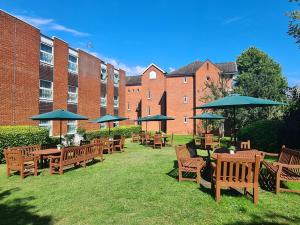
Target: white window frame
{"x": 103, "y": 101}
{"x": 185, "y": 99}
{"x": 128, "y": 106}
{"x": 185, "y": 119}
{"x": 152, "y": 75}
{"x": 71, "y": 63}
{"x": 48, "y": 124}
{"x": 102, "y": 125}
{"x": 46, "y": 99}
{"x": 149, "y": 94}
{"x": 116, "y": 78}
{"x": 47, "y": 53}
{"x": 185, "y": 80}
{"x": 116, "y": 123}
{"x": 71, "y": 123}
{"x": 72, "y": 93}
{"x": 116, "y": 102}
{"x": 103, "y": 67}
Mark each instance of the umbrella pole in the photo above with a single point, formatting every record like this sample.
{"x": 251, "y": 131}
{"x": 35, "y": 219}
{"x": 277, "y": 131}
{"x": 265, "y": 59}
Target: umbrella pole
{"x": 159, "y": 125}
{"x": 109, "y": 128}
{"x": 234, "y": 124}
{"x": 146, "y": 126}
{"x": 206, "y": 124}
{"x": 60, "y": 125}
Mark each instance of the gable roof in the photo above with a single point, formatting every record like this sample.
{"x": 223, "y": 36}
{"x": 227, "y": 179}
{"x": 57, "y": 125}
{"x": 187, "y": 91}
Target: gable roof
{"x": 190, "y": 69}
{"x": 133, "y": 80}
{"x": 152, "y": 64}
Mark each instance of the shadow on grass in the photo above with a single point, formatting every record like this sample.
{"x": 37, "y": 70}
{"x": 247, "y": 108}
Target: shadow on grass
{"x": 267, "y": 181}
{"x": 18, "y": 212}
{"x": 269, "y": 218}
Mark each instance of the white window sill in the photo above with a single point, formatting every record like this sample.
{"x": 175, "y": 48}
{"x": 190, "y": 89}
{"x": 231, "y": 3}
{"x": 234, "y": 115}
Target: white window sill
{"x": 46, "y": 63}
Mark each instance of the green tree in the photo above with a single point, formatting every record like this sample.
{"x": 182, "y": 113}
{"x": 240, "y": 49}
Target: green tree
{"x": 261, "y": 77}
{"x": 294, "y": 23}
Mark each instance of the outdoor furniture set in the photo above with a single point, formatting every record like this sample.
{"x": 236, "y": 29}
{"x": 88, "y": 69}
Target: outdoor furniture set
{"x": 156, "y": 140}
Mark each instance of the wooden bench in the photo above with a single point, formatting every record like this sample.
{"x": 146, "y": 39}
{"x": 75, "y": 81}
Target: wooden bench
{"x": 186, "y": 164}
{"x": 287, "y": 168}
{"x": 20, "y": 159}
{"x": 235, "y": 172}
{"x": 75, "y": 156}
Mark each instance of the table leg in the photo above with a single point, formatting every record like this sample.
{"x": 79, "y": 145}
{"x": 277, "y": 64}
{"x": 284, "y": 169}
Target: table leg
{"x": 42, "y": 161}
{"x": 35, "y": 165}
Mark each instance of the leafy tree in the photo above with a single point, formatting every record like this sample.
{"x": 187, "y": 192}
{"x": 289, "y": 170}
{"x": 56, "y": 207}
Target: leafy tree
{"x": 294, "y": 23}
{"x": 261, "y": 77}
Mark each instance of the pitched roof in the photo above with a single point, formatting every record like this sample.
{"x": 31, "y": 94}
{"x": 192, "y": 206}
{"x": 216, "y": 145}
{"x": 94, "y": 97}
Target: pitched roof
{"x": 133, "y": 80}
{"x": 190, "y": 69}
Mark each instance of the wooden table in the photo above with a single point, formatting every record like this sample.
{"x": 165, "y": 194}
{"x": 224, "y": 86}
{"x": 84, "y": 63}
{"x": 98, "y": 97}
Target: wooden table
{"x": 40, "y": 154}
{"x": 242, "y": 153}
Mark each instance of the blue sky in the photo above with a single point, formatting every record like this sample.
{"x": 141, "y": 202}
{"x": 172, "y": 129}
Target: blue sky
{"x": 170, "y": 33}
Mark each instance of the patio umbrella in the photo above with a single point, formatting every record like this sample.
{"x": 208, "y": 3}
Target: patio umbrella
{"x": 143, "y": 119}
{"x": 59, "y": 115}
{"x": 158, "y": 118}
{"x": 235, "y": 101}
{"x": 206, "y": 117}
{"x": 109, "y": 118}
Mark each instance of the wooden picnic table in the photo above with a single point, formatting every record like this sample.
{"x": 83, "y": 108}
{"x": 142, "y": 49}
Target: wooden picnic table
{"x": 40, "y": 155}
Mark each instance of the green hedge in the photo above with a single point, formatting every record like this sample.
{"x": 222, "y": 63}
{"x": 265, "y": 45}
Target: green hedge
{"x": 12, "y": 136}
{"x": 121, "y": 130}
{"x": 264, "y": 135}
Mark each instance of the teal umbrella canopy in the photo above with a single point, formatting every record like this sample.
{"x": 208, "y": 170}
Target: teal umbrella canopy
{"x": 59, "y": 114}
{"x": 108, "y": 118}
{"x": 159, "y": 118}
{"x": 208, "y": 116}
{"x": 143, "y": 119}
{"x": 237, "y": 101}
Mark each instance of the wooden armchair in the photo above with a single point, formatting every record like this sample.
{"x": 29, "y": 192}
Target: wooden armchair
{"x": 135, "y": 137}
{"x": 157, "y": 141}
{"x": 119, "y": 144}
{"x": 107, "y": 145}
{"x": 287, "y": 168}
{"x": 197, "y": 141}
{"x": 209, "y": 142}
{"x": 186, "y": 164}
{"x": 246, "y": 145}
{"x": 235, "y": 172}
{"x": 17, "y": 161}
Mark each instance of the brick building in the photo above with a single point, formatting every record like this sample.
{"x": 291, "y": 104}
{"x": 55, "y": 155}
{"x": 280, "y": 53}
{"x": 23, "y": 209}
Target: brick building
{"x": 39, "y": 74}
{"x": 176, "y": 94}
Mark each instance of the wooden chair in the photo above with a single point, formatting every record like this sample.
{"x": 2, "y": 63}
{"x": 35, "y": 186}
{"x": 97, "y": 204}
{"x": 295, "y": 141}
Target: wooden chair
{"x": 135, "y": 137}
{"x": 119, "y": 144}
{"x": 245, "y": 145}
{"x": 170, "y": 142}
{"x": 235, "y": 172}
{"x": 197, "y": 141}
{"x": 209, "y": 142}
{"x": 17, "y": 161}
{"x": 157, "y": 141}
{"x": 186, "y": 164}
{"x": 287, "y": 168}
{"x": 107, "y": 145}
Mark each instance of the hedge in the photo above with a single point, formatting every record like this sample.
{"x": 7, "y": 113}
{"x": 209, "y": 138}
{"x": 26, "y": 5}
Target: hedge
{"x": 264, "y": 135}
{"x": 121, "y": 130}
{"x": 12, "y": 136}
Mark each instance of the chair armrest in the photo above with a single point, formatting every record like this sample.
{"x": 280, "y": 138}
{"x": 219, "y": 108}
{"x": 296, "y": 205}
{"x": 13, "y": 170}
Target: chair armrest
{"x": 213, "y": 165}
{"x": 289, "y": 166}
{"x": 270, "y": 154}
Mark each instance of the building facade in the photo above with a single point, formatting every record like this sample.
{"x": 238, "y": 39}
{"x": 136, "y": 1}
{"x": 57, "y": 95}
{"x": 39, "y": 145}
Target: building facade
{"x": 39, "y": 74}
{"x": 176, "y": 94}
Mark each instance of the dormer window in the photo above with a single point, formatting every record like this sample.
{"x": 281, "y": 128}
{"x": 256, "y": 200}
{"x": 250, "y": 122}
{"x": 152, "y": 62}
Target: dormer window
{"x": 152, "y": 75}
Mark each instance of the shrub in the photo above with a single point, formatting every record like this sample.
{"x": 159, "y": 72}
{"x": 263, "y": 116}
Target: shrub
{"x": 121, "y": 130}
{"x": 12, "y": 136}
{"x": 264, "y": 135}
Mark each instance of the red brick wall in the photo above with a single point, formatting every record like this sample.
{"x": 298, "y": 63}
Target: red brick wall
{"x": 110, "y": 89}
{"x": 157, "y": 88}
{"x": 176, "y": 90}
{"x": 19, "y": 71}
{"x": 60, "y": 80}
{"x": 122, "y": 96}
{"x": 133, "y": 97}
{"x": 88, "y": 89}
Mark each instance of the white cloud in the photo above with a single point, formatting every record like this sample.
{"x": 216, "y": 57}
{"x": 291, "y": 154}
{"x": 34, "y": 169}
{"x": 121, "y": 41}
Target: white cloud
{"x": 232, "y": 20}
{"x": 171, "y": 69}
{"x": 49, "y": 24}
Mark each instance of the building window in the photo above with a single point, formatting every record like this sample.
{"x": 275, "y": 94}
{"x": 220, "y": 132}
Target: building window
{"x": 102, "y": 125}
{"x": 128, "y": 106}
{"x": 46, "y": 90}
{"x": 71, "y": 126}
{"x": 149, "y": 94}
{"x": 73, "y": 64}
{"x": 138, "y": 90}
{"x": 116, "y": 78}
{"x": 185, "y": 80}
{"x": 46, "y": 54}
{"x": 128, "y": 90}
{"x": 46, "y": 124}
{"x": 116, "y": 124}
{"x": 149, "y": 111}
{"x": 72, "y": 94}
{"x": 152, "y": 75}
{"x": 104, "y": 101}
{"x": 185, "y": 119}
{"x": 207, "y": 77}
{"x": 103, "y": 73}
{"x": 185, "y": 99}
{"x": 116, "y": 101}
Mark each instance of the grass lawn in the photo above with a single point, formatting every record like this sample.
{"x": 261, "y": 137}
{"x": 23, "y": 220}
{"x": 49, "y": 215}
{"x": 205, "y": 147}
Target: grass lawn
{"x": 138, "y": 186}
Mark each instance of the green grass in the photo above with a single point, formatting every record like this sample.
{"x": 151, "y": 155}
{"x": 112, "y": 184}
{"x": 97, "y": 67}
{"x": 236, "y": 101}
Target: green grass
{"x": 138, "y": 186}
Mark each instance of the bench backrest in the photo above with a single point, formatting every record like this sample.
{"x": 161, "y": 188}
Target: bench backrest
{"x": 237, "y": 171}
{"x": 182, "y": 152}
{"x": 246, "y": 144}
{"x": 157, "y": 139}
{"x": 26, "y": 150}
{"x": 209, "y": 138}
{"x": 73, "y": 154}
{"x": 97, "y": 141}
{"x": 289, "y": 156}
{"x": 13, "y": 158}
